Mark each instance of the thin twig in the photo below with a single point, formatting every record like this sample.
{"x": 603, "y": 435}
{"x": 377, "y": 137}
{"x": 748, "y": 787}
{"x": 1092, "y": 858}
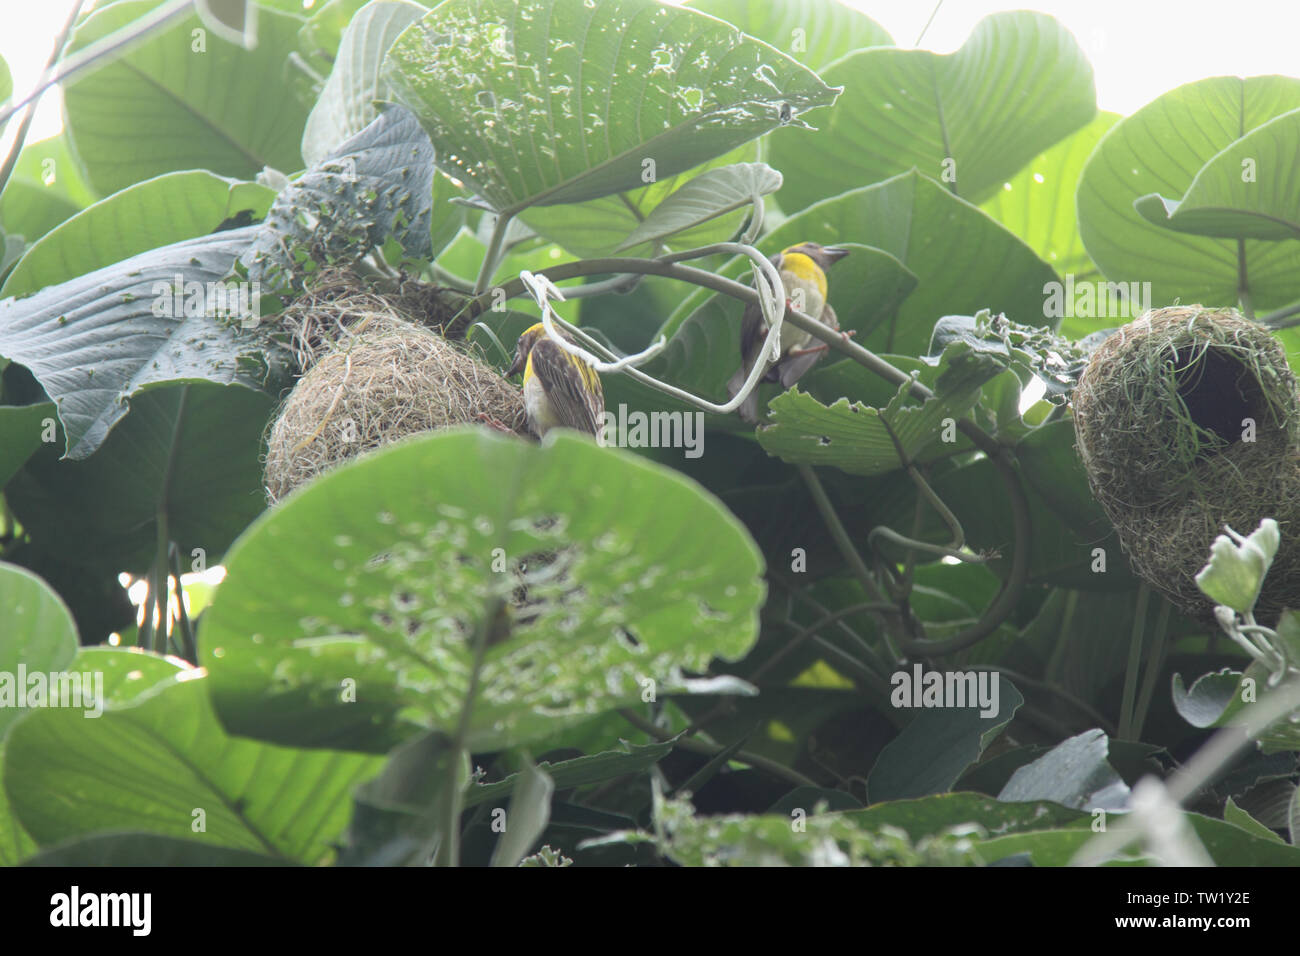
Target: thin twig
{"x": 21, "y": 137}
{"x": 136, "y": 30}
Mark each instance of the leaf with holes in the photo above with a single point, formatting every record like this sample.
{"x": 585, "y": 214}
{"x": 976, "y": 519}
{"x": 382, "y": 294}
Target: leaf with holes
{"x": 861, "y": 440}
{"x": 557, "y": 101}
{"x": 814, "y": 32}
{"x": 378, "y": 184}
{"x": 597, "y": 227}
{"x": 1019, "y": 84}
{"x": 590, "y": 571}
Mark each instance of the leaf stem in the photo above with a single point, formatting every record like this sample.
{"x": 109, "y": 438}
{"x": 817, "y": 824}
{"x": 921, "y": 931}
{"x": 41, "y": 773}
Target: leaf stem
{"x": 1155, "y": 660}
{"x": 1127, "y": 704}
{"x": 1005, "y": 603}
{"x": 112, "y": 43}
{"x": 187, "y": 645}
{"x": 846, "y": 548}
{"x": 491, "y": 258}
{"x": 21, "y": 137}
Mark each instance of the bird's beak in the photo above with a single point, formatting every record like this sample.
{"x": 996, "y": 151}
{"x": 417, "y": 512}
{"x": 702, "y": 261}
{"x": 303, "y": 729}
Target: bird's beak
{"x": 518, "y": 365}
{"x": 833, "y": 254}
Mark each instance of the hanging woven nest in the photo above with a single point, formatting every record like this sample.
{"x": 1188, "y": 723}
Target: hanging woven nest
{"x": 374, "y": 375}
{"x": 1187, "y": 420}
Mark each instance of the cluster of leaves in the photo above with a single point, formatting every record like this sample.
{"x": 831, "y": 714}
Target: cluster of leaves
{"x": 464, "y": 624}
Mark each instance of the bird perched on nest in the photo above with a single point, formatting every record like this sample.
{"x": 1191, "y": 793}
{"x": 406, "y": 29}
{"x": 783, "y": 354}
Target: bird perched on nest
{"x": 803, "y": 272}
{"x": 560, "y": 389}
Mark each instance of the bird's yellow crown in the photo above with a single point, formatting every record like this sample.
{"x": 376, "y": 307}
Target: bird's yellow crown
{"x": 801, "y": 265}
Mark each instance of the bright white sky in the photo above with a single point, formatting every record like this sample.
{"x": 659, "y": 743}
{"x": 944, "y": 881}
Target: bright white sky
{"x": 1138, "y": 48}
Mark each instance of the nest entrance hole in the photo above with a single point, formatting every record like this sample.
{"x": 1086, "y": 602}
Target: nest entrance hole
{"x": 1219, "y": 391}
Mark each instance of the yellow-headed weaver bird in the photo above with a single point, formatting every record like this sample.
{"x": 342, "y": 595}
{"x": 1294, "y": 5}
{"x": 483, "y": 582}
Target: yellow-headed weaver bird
{"x": 803, "y": 272}
{"x": 560, "y": 390}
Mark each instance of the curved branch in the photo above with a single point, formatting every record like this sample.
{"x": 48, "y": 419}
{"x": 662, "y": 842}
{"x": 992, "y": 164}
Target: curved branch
{"x": 1005, "y": 603}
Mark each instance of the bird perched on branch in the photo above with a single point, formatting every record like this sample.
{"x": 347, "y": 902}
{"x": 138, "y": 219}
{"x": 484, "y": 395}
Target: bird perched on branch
{"x": 560, "y": 389}
{"x": 803, "y": 272}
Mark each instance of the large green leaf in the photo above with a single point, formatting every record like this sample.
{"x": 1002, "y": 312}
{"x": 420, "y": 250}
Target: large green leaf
{"x": 123, "y": 675}
{"x": 1161, "y": 149}
{"x": 167, "y": 105}
{"x": 1247, "y": 191}
{"x": 152, "y": 766}
{"x": 814, "y": 32}
{"x": 937, "y": 746}
{"x": 157, "y": 212}
{"x": 38, "y": 634}
{"x": 556, "y": 101}
{"x": 347, "y": 104}
{"x": 22, "y": 429}
{"x": 1037, "y": 203}
{"x": 1227, "y": 845}
{"x": 187, "y": 454}
{"x": 94, "y": 341}
{"x": 610, "y": 571}
{"x": 1019, "y": 84}
{"x": 46, "y": 187}
{"x": 145, "y": 849}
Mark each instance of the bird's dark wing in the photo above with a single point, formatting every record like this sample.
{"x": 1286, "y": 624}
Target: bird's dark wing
{"x": 753, "y": 332}
{"x": 572, "y": 387}
{"x": 792, "y": 367}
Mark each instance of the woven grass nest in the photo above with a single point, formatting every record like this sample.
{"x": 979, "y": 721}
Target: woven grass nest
{"x": 1158, "y": 415}
{"x": 374, "y": 373}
